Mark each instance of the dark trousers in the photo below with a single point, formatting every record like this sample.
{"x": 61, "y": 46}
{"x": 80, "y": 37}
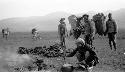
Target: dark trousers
{"x": 112, "y": 38}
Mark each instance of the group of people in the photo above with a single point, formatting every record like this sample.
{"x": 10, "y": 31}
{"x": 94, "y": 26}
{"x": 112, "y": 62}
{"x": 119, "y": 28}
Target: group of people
{"x": 86, "y": 54}
{"x": 88, "y": 28}
{"x": 5, "y": 32}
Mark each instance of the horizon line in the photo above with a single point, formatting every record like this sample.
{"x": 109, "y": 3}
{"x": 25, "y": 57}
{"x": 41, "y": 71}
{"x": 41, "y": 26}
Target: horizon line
{"x": 62, "y": 12}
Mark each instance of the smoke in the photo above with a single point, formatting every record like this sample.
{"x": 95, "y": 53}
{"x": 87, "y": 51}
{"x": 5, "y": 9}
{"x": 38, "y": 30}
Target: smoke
{"x": 12, "y": 58}
{"x": 16, "y": 59}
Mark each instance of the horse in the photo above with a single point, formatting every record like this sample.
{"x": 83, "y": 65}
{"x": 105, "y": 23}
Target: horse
{"x": 5, "y": 33}
{"x": 35, "y": 34}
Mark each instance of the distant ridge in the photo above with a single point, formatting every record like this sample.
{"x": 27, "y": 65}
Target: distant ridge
{"x": 50, "y": 22}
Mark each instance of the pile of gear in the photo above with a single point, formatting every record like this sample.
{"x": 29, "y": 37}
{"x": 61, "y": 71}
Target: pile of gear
{"x": 97, "y": 17}
{"x": 99, "y": 22}
{"x": 52, "y": 51}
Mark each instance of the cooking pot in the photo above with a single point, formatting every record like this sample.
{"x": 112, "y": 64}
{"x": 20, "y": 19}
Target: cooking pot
{"x": 67, "y": 68}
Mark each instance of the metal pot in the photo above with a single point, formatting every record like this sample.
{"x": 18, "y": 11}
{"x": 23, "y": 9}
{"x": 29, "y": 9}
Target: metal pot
{"x": 67, "y": 68}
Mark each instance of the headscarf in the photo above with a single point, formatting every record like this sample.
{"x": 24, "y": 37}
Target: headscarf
{"x": 80, "y": 40}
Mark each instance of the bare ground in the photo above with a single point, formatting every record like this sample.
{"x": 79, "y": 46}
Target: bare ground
{"x": 110, "y": 60}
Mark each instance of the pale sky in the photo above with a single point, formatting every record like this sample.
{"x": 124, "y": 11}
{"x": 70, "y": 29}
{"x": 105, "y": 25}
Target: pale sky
{"x": 25, "y": 8}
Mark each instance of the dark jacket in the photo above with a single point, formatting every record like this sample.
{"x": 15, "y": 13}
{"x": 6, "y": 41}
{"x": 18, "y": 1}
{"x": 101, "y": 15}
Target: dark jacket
{"x": 81, "y": 52}
{"x": 91, "y": 59}
{"x": 111, "y": 26}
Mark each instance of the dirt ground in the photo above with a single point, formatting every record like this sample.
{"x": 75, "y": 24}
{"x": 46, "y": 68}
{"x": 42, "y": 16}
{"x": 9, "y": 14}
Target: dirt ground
{"x": 110, "y": 60}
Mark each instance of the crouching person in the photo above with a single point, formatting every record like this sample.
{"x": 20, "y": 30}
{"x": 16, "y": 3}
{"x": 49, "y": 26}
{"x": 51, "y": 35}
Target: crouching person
{"x": 86, "y": 56}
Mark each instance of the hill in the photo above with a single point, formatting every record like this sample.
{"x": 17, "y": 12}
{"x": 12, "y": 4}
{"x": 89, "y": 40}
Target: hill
{"x": 42, "y": 23}
{"x": 50, "y": 22}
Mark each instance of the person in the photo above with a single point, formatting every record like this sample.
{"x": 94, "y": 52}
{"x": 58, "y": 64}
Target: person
{"x": 73, "y": 22}
{"x": 3, "y": 32}
{"x": 62, "y": 31}
{"x": 85, "y": 54}
{"x": 34, "y": 30}
{"x": 88, "y": 29}
{"x": 111, "y": 30}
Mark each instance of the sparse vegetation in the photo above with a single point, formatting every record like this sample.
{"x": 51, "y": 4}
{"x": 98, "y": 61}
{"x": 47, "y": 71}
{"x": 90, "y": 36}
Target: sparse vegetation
{"x": 110, "y": 61}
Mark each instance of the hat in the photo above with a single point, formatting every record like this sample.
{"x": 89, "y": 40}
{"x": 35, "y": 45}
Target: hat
{"x": 85, "y": 15}
{"x": 110, "y": 14}
{"x": 62, "y": 19}
{"x": 73, "y": 15}
{"x": 80, "y": 40}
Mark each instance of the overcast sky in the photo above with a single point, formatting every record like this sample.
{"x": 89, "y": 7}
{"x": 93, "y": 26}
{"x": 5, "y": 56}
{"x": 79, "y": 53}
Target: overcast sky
{"x": 25, "y": 8}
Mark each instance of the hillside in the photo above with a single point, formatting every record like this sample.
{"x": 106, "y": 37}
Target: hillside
{"x": 49, "y": 22}
{"x": 42, "y": 23}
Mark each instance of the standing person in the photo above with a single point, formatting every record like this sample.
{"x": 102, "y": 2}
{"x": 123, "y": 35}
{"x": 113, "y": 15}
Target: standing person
{"x": 86, "y": 56}
{"x": 35, "y": 34}
{"x": 73, "y": 22}
{"x": 34, "y": 30}
{"x": 3, "y": 32}
{"x": 111, "y": 30}
{"x": 88, "y": 29}
{"x": 62, "y": 31}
